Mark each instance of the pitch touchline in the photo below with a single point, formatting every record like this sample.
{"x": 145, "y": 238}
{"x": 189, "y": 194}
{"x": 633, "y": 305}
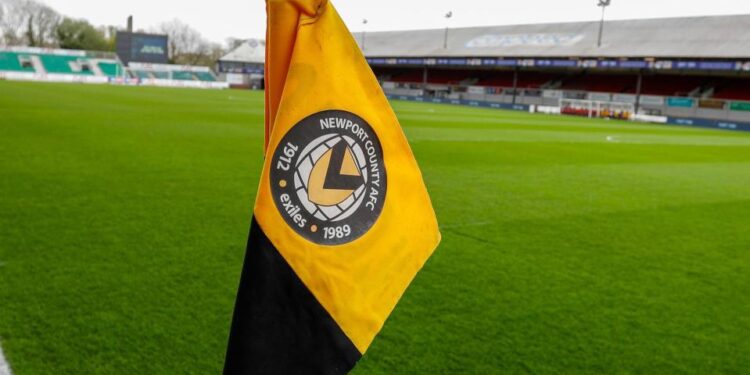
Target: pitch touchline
{"x": 4, "y": 368}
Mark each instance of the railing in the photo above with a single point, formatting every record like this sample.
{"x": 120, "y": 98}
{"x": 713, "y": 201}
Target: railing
{"x": 102, "y": 55}
{"x": 645, "y": 100}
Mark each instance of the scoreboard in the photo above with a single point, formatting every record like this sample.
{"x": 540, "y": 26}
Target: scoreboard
{"x": 140, "y": 47}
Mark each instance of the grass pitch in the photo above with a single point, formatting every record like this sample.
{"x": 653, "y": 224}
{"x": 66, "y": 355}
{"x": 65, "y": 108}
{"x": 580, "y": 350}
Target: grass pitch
{"x": 569, "y": 245}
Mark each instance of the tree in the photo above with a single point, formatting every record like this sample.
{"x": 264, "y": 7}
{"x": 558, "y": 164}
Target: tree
{"x": 233, "y": 43}
{"x": 2, "y": 17}
{"x": 41, "y": 24}
{"x": 109, "y": 33}
{"x": 187, "y": 46}
{"x": 79, "y": 34}
{"x": 11, "y": 22}
{"x": 208, "y": 57}
{"x": 28, "y": 22}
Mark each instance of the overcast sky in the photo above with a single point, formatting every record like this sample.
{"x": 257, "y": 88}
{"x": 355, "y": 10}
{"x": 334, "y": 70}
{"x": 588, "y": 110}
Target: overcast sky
{"x": 220, "y": 19}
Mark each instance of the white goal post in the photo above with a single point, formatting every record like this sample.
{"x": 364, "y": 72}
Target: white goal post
{"x": 596, "y": 108}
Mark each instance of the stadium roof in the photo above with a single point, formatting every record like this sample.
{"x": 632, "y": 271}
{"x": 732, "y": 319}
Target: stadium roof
{"x": 693, "y": 37}
{"x": 250, "y": 51}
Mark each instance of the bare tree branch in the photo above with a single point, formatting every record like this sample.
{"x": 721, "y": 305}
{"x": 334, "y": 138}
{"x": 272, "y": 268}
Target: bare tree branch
{"x": 186, "y": 45}
{"x": 28, "y": 22}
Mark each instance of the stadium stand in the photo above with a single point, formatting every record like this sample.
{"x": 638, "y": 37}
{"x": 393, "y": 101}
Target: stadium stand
{"x": 243, "y": 66}
{"x": 448, "y": 77}
{"x": 642, "y": 67}
{"x": 185, "y": 76}
{"x": 159, "y": 75}
{"x": 693, "y": 67}
{"x": 614, "y": 83}
{"x": 672, "y": 85}
{"x": 65, "y": 64}
{"x": 414, "y": 76}
{"x": 35, "y": 63}
{"x": 174, "y": 75}
{"x": 11, "y": 61}
{"x": 144, "y": 75}
{"x": 205, "y": 76}
{"x": 171, "y": 72}
{"x": 495, "y": 79}
{"x": 535, "y": 80}
{"x": 110, "y": 69}
{"x": 738, "y": 89}
{"x": 24, "y": 63}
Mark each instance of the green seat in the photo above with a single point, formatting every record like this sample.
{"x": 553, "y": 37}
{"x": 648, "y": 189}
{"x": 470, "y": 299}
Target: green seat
{"x": 205, "y": 76}
{"x": 111, "y": 69}
{"x": 183, "y": 76}
{"x": 11, "y": 61}
{"x": 61, "y": 64}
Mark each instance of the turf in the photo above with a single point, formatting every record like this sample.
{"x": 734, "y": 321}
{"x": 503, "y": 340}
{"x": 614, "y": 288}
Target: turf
{"x": 569, "y": 245}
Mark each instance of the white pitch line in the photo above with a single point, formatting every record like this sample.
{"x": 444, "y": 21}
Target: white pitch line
{"x": 4, "y": 367}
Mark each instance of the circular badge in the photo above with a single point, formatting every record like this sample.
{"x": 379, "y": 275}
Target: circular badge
{"x": 327, "y": 177}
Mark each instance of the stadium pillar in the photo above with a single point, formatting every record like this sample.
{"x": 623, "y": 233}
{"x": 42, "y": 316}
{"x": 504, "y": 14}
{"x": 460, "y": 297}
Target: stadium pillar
{"x": 515, "y": 84}
{"x": 424, "y": 81}
{"x": 638, "y": 85}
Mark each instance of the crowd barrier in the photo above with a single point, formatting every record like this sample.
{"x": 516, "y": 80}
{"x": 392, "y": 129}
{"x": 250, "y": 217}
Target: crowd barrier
{"x": 73, "y": 78}
{"x": 682, "y": 121}
{"x": 706, "y": 123}
{"x": 472, "y": 103}
{"x": 65, "y": 78}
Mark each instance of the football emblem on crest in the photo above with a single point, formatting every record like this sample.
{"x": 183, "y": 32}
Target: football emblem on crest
{"x": 328, "y": 177}
{"x": 331, "y": 176}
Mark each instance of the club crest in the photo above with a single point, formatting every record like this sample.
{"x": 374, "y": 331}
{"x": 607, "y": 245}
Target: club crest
{"x": 328, "y": 178}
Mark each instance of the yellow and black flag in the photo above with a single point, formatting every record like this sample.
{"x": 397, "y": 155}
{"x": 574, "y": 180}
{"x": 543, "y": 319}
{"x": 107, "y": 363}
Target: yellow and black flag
{"x": 342, "y": 219}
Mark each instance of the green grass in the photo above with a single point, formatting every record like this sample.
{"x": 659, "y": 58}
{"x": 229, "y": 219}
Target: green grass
{"x": 569, "y": 245}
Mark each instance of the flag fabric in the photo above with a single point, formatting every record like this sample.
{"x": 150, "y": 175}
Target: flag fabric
{"x": 342, "y": 220}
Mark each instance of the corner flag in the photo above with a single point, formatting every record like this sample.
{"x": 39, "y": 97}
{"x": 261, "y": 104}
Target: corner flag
{"x": 342, "y": 219}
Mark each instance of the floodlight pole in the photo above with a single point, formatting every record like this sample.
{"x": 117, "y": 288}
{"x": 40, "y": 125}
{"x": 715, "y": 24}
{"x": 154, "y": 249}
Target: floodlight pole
{"x": 445, "y": 37}
{"x": 364, "y": 34}
{"x": 604, "y": 4}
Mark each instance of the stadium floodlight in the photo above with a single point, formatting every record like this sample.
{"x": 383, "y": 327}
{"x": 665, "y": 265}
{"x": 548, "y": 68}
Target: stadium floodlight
{"x": 364, "y": 34}
{"x": 604, "y": 4}
{"x": 445, "y": 38}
